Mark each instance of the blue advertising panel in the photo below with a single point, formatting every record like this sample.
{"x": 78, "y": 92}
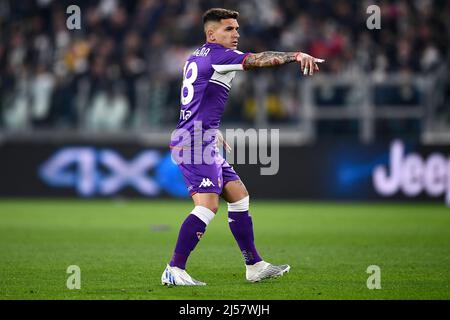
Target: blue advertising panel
{"x": 340, "y": 170}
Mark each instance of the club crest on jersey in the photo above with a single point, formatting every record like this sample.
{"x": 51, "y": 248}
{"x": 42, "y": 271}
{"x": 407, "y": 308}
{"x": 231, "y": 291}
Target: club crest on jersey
{"x": 199, "y": 235}
{"x": 206, "y": 183}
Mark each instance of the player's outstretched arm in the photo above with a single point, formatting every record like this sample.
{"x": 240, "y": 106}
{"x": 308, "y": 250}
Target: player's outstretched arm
{"x": 308, "y": 64}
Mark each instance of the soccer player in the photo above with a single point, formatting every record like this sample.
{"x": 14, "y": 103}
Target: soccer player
{"x": 207, "y": 78}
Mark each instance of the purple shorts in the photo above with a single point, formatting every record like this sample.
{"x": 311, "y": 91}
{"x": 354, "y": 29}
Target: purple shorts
{"x": 208, "y": 178}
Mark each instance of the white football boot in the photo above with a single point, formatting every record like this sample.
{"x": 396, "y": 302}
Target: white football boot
{"x": 264, "y": 270}
{"x": 178, "y": 277}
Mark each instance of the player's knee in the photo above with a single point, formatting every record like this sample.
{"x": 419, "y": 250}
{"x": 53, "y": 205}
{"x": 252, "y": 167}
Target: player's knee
{"x": 214, "y": 207}
{"x": 240, "y": 205}
{"x": 210, "y": 201}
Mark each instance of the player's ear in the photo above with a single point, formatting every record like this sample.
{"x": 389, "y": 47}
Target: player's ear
{"x": 210, "y": 27}
{"x": 210, "y": 35}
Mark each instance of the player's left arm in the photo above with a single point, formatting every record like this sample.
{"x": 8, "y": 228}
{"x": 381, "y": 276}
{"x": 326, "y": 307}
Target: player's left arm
{"x": 308, "y": 64}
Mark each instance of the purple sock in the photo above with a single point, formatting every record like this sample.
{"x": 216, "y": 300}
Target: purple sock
{"x": 190, "y": 233}
{"x": 242, "y": 228}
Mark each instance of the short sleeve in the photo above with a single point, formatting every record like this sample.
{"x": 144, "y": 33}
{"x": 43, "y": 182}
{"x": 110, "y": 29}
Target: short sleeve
{"x": 228, "y": 60}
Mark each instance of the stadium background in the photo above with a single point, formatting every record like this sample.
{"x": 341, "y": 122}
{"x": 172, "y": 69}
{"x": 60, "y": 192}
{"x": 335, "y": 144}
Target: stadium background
{"x": 88, "y": 113}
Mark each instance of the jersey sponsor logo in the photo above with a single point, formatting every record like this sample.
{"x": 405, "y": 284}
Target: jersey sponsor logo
{"x": 206, "y": 183}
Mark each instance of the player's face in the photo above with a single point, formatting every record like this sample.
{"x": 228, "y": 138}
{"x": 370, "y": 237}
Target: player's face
{"x": 227, "y": 34}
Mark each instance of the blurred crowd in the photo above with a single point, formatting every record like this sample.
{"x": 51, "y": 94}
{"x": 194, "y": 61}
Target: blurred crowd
{"x": 122, "y": 68}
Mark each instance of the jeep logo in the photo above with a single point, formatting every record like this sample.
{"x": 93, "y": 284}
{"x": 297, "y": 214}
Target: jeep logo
{"x": 412, "y": 174}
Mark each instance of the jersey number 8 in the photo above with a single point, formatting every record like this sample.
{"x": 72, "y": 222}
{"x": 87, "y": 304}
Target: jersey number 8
{"x": 190, "y": 69}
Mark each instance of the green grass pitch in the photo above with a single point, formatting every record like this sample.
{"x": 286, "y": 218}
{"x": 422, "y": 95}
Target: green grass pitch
{"x": 122, "y": 247}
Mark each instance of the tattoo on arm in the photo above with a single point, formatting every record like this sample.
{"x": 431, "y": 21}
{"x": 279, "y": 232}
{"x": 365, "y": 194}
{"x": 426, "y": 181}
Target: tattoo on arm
{"x": 268, "y": 59}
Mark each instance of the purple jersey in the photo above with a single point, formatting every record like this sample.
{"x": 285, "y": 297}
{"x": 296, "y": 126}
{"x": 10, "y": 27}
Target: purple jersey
{"x": 207, "y": 77}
